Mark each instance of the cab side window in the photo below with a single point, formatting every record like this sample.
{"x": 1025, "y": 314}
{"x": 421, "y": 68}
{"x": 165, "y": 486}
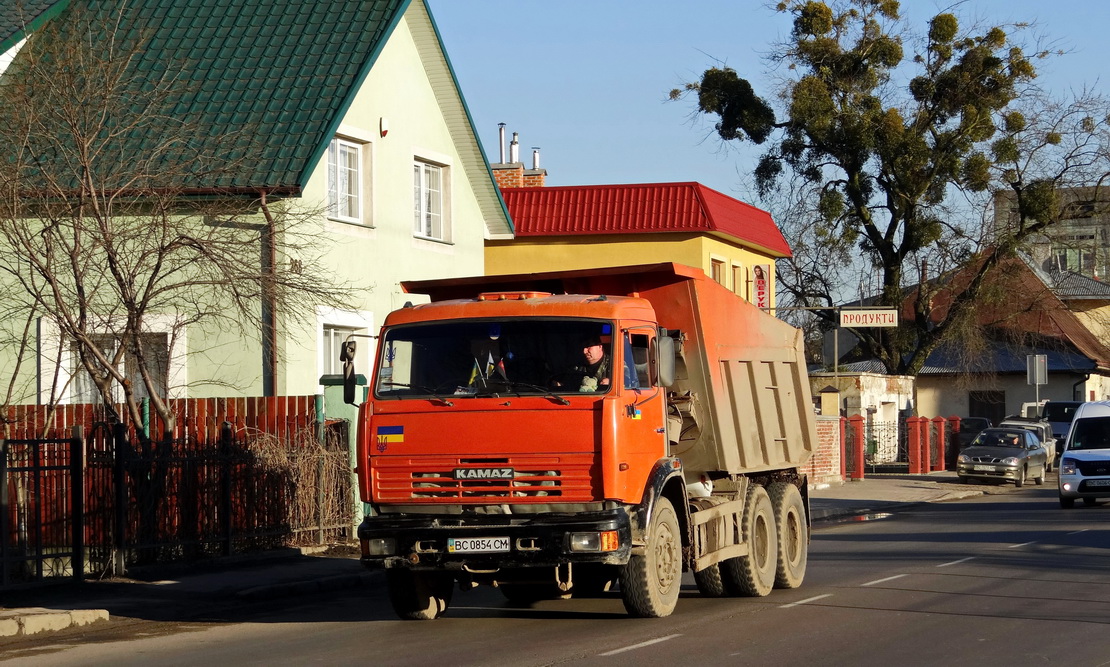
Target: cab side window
{"x": 637, "y": 373}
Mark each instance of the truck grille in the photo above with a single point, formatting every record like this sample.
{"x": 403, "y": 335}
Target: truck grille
{"x": 543, "y": 479}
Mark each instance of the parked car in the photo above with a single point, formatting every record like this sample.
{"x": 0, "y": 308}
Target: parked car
{"x": 1085, "y": 463}
{"x": 1059, "y": 415}
{"x": 1008, "y": 454}
{"x": 1044, "y": 433}
{"x": 969, "y": 428}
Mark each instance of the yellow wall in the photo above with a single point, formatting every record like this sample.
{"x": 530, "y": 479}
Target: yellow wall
{"x": 558, "y": 253}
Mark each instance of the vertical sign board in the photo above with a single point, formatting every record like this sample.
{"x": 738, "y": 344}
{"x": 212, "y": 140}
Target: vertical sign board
{"x": 1036, "y": 369}
{"x": 762, "y": 294}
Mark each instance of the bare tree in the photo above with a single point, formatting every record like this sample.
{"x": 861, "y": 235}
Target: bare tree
{"x": 117, "y": 212}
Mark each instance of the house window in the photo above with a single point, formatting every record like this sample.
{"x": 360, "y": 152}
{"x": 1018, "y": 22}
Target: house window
{"x": 738, "y": 281}
{"x": 427, "y": 191}
{"x": 155, "y": 347}
{"x": 717, "y": 271}
{"x": 344, "y": 179}
{"x": 332, "y": 344}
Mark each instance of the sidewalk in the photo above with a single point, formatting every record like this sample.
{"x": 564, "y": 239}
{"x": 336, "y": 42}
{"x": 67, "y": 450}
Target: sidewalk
{"x": 292, "y": 572}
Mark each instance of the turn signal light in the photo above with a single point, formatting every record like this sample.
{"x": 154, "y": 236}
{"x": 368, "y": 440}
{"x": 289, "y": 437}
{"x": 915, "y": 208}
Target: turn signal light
{"x": 604, "y": 541}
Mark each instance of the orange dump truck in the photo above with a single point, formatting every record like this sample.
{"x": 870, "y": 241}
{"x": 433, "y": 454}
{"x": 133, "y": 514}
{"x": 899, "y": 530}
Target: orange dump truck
{"x": 570, "y": 433}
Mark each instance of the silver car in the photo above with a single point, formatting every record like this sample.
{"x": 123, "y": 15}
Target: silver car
{"x": 1008, "y": 454}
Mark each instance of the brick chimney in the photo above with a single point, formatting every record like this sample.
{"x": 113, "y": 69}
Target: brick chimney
{"x": 511, "y": 173}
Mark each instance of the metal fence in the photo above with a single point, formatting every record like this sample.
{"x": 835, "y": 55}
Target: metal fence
{"x": 41, "y": 503}
{"x": 108, "y": 502}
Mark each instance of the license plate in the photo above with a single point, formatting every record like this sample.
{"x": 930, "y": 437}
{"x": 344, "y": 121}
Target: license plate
{"x": 983, "y": 468}
{"x": 1098, "y": 482}
{"x": 489, "y": 545}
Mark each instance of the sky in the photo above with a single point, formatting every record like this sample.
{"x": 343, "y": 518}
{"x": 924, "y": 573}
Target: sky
{"x": 586, "y": 81}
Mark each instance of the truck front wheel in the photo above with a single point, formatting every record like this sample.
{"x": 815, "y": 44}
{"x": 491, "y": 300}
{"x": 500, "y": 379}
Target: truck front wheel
{"x": 650, "y": 582}
{"x": 790, "y": 520}
{"x": 753, "y": 575}
{"x": 418, "y": 596}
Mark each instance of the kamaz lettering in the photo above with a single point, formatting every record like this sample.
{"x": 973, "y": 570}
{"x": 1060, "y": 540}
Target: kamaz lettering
{"x": 483, "y": 473}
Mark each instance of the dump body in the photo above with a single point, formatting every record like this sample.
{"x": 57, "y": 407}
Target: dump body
{"x": 748, "y": 406}
{"x": 673, "y": 449}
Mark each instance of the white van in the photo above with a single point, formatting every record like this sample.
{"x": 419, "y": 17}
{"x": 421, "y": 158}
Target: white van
{"x": 1085, "y": 463}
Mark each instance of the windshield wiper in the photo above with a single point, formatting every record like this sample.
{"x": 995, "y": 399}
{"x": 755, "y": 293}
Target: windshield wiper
{"x": 513, "y": 386}
{"x": 434, "y": 394}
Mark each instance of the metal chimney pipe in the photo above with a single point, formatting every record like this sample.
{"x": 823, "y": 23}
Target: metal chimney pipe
{"x": 514, "y": 149}
{"x": 501, "y": 141}
{"x": 536, "y": 157}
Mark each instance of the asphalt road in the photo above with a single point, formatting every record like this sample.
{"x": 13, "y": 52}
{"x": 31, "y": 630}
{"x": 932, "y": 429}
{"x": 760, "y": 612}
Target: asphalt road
{"x": 1000, "y": 579}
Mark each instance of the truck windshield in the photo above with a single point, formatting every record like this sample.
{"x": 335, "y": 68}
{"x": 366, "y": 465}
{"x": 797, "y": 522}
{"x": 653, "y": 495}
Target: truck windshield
{"x": 477, "y": 358}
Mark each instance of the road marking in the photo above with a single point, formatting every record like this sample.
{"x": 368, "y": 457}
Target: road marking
{"x": 957, "y": 562}
{"x": 813, "y": 599}
{"x": 636, "y": 646}
{"x": 883, "y": 581}
{"x": 1023, "y": 544}
{"x": 1076, "y": 532}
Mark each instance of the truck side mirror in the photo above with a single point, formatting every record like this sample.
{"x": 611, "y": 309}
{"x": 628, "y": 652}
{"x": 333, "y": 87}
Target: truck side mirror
{"x": 347, "y": 356}
{"x": 665, "y": 349}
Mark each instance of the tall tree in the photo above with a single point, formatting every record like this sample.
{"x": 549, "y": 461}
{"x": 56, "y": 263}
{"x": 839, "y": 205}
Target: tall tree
{"x": 896, "y": 159}
{"x": 111, "y": 228}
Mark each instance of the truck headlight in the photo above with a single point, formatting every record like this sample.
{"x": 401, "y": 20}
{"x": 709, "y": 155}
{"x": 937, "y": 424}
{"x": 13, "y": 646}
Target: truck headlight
{"x": 379, "y": 546}
{"x": 595, "y": 542}
{"x": 1067, "y": 466}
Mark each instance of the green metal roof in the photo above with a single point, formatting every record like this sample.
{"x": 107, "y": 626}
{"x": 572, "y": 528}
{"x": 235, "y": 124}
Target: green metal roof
{"x": 18, "y": 18}
{"x": 286, "y": 69}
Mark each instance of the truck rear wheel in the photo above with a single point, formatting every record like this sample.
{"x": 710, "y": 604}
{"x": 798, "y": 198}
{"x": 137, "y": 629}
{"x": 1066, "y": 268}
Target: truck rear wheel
{"x": 790, "y": 522}
{"x": 709, "y": 581}
{"x": 650, "y": 582}
{"x": 753, "y": 575}
{"x": 418, "y": 596}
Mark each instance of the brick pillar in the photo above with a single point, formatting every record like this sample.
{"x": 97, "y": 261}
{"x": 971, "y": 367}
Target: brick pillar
{"x": 913, "y": 448}
{"x": 856, "y": 423}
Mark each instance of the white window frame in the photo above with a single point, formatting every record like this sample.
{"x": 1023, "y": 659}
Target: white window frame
{"x": 360, "y": 322}
{"x": 57, "y": 358}
{"x": 339, "y": 188}
{"x": 439, "y": 228}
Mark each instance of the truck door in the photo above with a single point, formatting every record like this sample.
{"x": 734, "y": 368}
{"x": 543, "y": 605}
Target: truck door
{"x": 643, "y": 399}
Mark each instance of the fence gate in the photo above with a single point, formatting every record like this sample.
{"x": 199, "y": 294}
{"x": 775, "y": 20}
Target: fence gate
{"x": 41, "y": 510}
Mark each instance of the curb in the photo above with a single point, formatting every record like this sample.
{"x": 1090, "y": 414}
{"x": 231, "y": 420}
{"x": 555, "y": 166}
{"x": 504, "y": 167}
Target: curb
{"x": 24, "y": 622}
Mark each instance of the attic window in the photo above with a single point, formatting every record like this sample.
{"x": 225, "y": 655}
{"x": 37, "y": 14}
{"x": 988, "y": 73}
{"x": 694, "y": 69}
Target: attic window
{"x": 344, "y": 181}
{"x": 429, "y": 210}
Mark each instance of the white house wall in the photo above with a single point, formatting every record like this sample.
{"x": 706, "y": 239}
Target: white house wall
{"x": 377, "y": 258}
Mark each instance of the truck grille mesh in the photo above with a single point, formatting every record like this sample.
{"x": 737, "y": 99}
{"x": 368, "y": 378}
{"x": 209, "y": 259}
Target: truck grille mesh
{"x": 542, "y": 479}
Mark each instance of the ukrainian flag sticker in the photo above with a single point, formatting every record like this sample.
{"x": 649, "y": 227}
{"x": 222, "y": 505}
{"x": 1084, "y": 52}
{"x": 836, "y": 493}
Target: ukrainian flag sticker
{"x": 390, "y": 434}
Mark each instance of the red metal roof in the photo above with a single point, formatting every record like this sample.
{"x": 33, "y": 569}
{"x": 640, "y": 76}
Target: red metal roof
{"x": 642, "y": 208}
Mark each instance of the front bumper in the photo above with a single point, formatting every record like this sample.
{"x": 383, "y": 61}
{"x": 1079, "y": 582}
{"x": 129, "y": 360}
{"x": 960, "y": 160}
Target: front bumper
{"x": 1078, "y": 486}
{"x": 535, "y": 540}
{"x": 1006, "y": 473}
